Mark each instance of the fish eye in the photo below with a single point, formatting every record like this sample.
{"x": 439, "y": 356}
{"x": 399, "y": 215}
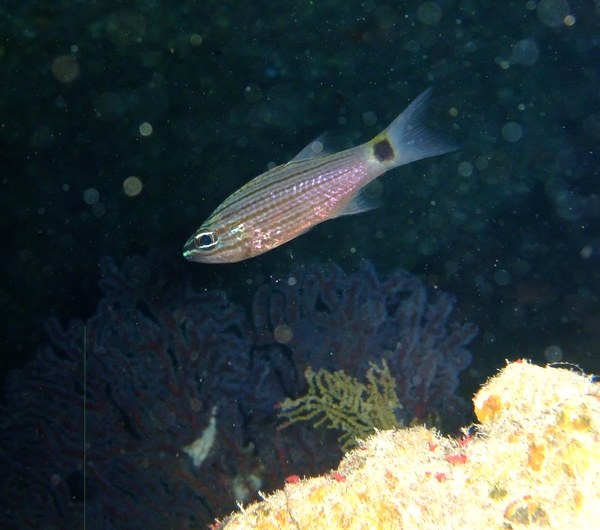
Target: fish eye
{"x": 206, "y": 240}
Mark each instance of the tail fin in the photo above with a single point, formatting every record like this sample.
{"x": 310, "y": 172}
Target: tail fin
{"x": 407, "y": 139}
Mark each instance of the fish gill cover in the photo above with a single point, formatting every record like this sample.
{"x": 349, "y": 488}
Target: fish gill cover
{"x": 181, "y": 393}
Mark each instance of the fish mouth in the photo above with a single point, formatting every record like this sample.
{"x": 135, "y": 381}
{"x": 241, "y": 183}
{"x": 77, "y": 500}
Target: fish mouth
{"x": 190, "y": 251}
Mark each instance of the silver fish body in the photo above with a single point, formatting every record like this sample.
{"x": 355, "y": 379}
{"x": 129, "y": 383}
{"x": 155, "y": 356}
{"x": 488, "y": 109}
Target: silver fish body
{"x": 288, "y": 200}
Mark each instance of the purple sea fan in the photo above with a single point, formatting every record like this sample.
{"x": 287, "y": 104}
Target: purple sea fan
{"x": 160, "y": 373}
{"x": 321, "y": 317}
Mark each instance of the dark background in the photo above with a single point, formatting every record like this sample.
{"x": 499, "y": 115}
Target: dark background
{"x": 509, "y": 224}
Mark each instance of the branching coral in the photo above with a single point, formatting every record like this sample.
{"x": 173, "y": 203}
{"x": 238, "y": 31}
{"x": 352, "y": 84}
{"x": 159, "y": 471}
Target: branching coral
{"x": 343, "y": 402}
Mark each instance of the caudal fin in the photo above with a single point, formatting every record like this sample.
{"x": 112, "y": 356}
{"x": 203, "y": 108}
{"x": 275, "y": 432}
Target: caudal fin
{"x": 407, "y": 138}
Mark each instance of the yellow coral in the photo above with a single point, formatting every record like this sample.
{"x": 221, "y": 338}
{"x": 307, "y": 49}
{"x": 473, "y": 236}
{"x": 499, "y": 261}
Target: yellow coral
{"x": 534, "y": 463}
{"x": 347, "y": 404}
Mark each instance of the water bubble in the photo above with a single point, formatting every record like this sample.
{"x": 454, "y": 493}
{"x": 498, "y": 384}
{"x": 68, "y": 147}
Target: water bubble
{"x": 145, "y": 129}
{"x": 373, "y": 189}
{"x": 465, "y": 169}
{"x": 283, "y": 333}
{"x": 512, "y": 131}
{"x": 502, "y": 277}
{"x": 412, "y": 46}
{"x": 132, "y": 186}
{"x": 451, "y": 267}
{"x": 525, "y": 52}
{"x": 316, "y": 147}
{"x": 553, "y": 354}
{"x": 65, "y": 69}
{"x": 429, "y": 13}
{"x": 586, "y": 252}
{"x": 553, "y": 12}
{"x": 91, "y": 196}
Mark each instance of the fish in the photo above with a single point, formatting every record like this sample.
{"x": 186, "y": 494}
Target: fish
{"x": 313, "y": 187}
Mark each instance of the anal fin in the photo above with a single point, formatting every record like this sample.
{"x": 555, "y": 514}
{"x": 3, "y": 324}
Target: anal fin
{"x": 360, "y": 202}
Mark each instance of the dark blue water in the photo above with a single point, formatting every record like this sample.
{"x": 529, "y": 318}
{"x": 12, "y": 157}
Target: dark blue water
{"x": 195, "y": 98}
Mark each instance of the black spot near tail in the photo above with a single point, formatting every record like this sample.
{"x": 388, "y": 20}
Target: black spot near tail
{"x": 383, "y": 151}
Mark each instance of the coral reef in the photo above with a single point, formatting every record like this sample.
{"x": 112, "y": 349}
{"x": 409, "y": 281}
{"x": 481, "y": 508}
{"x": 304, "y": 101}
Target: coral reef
{"x": 534, "y": 461}
{"x": 179, "y": 394}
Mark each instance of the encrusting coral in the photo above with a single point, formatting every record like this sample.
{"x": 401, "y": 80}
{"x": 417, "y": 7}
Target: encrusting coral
{"x": 533, "y": 461}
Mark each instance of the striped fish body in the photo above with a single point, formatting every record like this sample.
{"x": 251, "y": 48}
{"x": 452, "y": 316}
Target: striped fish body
{"x": 288, "y": 200}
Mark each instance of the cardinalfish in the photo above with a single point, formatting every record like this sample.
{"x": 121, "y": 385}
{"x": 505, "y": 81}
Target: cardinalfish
{"x": 315, "y": 186}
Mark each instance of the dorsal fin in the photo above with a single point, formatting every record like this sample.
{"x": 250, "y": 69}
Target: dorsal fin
{"x": 315, "y": 149}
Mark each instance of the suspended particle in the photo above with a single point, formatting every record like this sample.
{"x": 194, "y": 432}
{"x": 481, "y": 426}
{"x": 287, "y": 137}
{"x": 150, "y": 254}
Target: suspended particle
{"x": 283, "y": 333}
{"x": 145, "y": 129}
{"x": 553, "y": 354}
{"x": 132, "y": 186}
{"x": 65, "y": 69}
{"x": 91, "y": 196}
